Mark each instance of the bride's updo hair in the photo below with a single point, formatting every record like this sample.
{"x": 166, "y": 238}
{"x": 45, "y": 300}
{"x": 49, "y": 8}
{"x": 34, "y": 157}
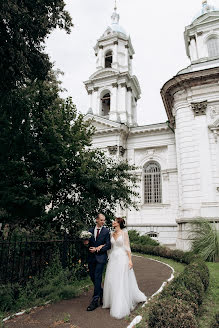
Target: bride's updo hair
{"x": 121, "y": 222}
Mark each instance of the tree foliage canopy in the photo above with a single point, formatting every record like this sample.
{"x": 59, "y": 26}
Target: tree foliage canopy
{"x": 24, "y": 26}
{"x": 49, "y": 175}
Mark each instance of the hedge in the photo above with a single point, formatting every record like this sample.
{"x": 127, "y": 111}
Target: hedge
{"x": 177, "y": 305}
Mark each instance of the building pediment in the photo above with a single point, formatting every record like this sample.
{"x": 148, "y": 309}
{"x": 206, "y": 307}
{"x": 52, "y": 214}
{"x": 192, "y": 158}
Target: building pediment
{"x": 102, "y": 73}
{"x": 207, "y": 18}
{"x": 104, "y": 125}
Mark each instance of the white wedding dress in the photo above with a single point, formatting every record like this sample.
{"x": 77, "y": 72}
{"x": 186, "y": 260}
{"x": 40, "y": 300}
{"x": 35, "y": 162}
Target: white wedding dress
{"x": 121, "y": 293}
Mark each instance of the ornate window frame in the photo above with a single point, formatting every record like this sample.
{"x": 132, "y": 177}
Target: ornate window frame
{"x": 207, "y": 39}
{"x": 154, "y": 181}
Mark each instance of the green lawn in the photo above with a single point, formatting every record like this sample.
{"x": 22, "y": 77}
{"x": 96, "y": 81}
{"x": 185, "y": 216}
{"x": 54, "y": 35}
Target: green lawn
{"x": 210, "y": 305}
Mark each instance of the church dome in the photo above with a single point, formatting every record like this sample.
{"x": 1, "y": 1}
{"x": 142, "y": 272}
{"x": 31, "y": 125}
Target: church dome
{"x": 115, "y": 27}
{"x": 118, "y": 28}
{"x": 206, "y": 8}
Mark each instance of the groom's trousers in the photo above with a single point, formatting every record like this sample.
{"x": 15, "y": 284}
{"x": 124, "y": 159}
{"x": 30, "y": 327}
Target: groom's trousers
{"x": 96, "y": 272}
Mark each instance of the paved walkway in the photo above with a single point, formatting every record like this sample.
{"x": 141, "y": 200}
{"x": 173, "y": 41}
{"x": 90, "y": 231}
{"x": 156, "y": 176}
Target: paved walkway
{"x": 150, "y": 276}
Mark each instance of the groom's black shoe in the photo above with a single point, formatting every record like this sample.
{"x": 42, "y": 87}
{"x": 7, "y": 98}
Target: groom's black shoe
{"x": 93, "y": 305}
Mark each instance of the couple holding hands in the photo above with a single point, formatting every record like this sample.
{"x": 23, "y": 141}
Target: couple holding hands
{"x": 121, "y": 293}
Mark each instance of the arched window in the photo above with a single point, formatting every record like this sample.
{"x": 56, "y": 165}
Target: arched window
{"x": 152, "y": 183}
{"x": 105, "y": 103}
{"x": 213, "y": 46}
{"x": 108, "y": 59}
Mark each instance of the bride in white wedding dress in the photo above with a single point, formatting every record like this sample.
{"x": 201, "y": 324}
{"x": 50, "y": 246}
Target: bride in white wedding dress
{"x": 121, "y": 293}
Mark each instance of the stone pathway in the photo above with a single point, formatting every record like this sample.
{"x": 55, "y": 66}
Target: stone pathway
{"x": 72, "y": 313}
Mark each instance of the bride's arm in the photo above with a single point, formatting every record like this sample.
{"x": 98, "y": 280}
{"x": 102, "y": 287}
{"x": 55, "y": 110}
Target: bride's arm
{"x": 127, "y": 248}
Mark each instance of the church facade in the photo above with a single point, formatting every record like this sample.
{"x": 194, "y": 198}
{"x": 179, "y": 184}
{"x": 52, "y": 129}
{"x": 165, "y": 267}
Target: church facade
{"x": 177, "y": 161}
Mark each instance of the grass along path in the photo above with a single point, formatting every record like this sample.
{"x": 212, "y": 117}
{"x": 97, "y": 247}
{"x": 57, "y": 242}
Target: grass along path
{"x": 210, "y": 305}
{"x": 178, "y": 268}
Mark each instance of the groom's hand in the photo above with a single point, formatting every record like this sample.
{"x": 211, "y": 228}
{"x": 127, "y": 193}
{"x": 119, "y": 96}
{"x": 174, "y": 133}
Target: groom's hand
{"x": 92, "y": 249}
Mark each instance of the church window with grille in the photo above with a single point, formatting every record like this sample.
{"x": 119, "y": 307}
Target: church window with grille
{"x": 152, "y": 183}
{"x": 213, "y": 46}
{"x": 105, "y": 102}
{"x": 108, "y": 59}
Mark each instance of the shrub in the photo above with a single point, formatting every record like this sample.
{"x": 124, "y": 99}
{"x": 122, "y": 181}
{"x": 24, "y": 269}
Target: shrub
{"x": 171, "y": 313}
{"x": 194, "y": 284}
{"x": 215, "y": 322}
{"x": 176, "y": 255}
{"x": 56, "y": 283}
{"x": 6, "y": 297}
{"x": 177, "y": 290}
{"x": 199, "y": 268}
{"x": 135, "y": 238}
{"x": 178, "y": 303}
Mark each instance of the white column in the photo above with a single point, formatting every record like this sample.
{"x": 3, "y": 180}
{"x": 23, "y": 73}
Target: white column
{"x": 115, "y": 57}
{"x": 113, "y": 114}
{"x": 90, "y": 93}
{"x": 207, "y": 192}
{"x": 193, "y": 49}
{"x": 122, "y": 108}
{"x": 134, "y": 111}
{"x": 127, "y": 56}
{"x": 129, "y": 105}
{"x": 96, "y": 106}
{"x": 101, "y": 59}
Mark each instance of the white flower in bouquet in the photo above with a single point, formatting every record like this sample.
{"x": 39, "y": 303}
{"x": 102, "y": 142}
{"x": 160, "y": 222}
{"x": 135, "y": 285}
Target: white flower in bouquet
{"x": 85, "y": 235}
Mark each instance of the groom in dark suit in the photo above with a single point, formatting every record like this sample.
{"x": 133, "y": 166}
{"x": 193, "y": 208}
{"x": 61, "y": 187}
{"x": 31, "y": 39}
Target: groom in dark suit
{"x": 99, "y": 244}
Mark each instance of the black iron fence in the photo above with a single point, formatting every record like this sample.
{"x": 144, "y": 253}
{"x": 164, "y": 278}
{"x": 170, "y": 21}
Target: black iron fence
{"x": 22, "y": 258}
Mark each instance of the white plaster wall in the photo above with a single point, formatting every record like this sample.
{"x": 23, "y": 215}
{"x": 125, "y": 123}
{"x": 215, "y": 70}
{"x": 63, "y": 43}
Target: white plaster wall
{"x": 161, "y": 218}
{"x": 197, "y": 157}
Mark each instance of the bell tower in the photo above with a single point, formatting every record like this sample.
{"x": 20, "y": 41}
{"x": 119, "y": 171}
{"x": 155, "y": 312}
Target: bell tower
{"x": 112, "y": 89}
{"x": 202, "y": 38}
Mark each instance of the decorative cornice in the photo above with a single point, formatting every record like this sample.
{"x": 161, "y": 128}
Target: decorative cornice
{"x": 149, "y": 129}
{"x": 199, "y": 108}
{"x": 123, "y": 85}
{"x": 115, "y": 85}
{"x": 184, "y": 81}
{"x": 96, "y": 89}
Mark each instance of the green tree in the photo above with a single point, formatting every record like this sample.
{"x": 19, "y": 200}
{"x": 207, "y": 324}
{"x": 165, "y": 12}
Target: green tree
{"x": 24, "y": 27}
{"x": 47, "y": 163}
{"x": 49, "y": 175}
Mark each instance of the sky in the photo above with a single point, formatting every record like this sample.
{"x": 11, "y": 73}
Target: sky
{"x": 156, "y": 28}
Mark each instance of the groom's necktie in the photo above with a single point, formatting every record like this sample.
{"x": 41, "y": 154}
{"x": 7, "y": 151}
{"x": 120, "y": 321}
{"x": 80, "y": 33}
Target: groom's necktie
{"x": 98, "y": 232}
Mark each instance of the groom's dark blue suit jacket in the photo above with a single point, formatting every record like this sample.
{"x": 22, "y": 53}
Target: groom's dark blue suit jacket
{"x": 103, "y": 239}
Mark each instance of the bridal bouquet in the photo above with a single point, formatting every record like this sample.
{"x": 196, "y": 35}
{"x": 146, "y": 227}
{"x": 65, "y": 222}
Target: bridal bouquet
{"x": 84, "y": 235}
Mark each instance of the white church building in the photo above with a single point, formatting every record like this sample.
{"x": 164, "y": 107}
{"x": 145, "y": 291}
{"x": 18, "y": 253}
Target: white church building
{"x": 177, "y": 161}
